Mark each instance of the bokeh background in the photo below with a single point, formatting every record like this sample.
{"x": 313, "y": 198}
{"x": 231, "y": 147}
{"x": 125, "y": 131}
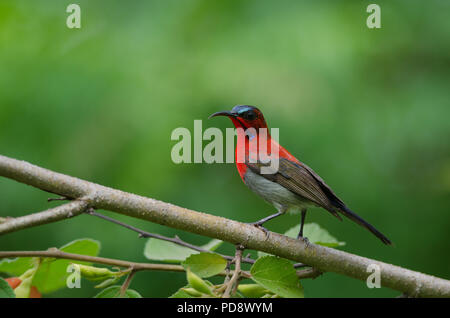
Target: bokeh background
{"x": 368, "y": 109}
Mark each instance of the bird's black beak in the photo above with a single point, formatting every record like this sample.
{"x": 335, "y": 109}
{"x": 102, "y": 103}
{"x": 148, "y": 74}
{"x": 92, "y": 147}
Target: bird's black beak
{"x": 223, "y": 113}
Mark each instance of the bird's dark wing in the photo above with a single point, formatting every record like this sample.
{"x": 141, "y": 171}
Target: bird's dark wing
{"x": 303, "y": 181}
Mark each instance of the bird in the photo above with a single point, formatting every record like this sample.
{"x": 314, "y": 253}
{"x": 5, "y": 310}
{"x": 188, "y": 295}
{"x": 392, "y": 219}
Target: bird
{"x": 291, "y": 188}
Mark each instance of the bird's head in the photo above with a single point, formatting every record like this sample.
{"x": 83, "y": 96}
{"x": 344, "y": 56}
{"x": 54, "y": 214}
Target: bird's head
{"x": 244, "y": 116}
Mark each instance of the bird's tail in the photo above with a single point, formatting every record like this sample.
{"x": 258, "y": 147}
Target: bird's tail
{"x": 356, "y": 218}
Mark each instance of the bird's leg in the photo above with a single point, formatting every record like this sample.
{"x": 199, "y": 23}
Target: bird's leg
{"x": 262, "y": 221}
{"x": 300, "y": 234}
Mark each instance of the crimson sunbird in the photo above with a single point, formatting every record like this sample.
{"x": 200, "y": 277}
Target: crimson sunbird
{"x": 293, "y": 186}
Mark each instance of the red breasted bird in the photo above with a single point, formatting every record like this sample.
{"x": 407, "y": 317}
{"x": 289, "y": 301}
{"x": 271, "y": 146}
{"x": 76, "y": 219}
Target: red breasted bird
{"x": 294, "y": 186}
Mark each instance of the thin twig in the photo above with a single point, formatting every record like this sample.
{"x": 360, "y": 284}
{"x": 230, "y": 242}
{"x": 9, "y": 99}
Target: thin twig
{"x": 145, "y": 234}
{"x": 62, "y": 212}
{"x": 322, "y": 258}
{"x": 234, "y": 280}
{"x": 56, "y": 253}
{"x": 300, "y": 265}
{"x": 175, "y": 240}
{"x": 58, "y": 199}
{"x": 127, "y": 282}
{"x": 308, "y": 273}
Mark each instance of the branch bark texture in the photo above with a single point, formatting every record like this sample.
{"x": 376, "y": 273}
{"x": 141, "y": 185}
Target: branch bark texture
{"x": 87, "y": 194}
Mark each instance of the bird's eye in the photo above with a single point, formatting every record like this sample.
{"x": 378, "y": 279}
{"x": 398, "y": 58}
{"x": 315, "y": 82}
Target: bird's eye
{"x": 249, "y": 115}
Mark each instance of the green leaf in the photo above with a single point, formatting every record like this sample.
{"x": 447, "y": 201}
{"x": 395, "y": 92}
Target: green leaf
{"x": 131, "y": 293}
{"x": 94, "y": 274}
{"x": 114, "y": 292}
{"x": 52, "y": 275}
{"x": 212, "y": 245}
{"x": 5, "y": 290}
{"x": 103, "y": 274}
{"x": 253, "y": 290}
{"x": 160, "y": 250}
{"x": 24, "y": 288}
{"x": 315, "y": 234}
{"x": 186, "y": 292}
{"x": 205, "y": 264}
{"x": 108, "y": 282}
{"x": 197, "y": 283}
{"x": 16, "y": 266}
{"x": 277, "y": 275}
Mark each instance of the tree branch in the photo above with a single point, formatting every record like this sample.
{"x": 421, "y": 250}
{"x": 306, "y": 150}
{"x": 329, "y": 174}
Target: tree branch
{"x": 322, "y": 258}
{"x": 175, "y": 240}
{"x": 233, "y": 283}
{"x": 135, "y": 267}
{"x": 126, "y": 284}
{"x": 58, "y": 213}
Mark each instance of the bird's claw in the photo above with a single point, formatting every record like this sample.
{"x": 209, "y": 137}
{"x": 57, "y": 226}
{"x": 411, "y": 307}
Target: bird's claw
{"x": 262, "y": 228}
{"x": 306, "y": 241}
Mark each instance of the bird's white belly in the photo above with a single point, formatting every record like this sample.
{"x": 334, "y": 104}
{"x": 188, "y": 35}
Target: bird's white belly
{"x": 281, "y": 198}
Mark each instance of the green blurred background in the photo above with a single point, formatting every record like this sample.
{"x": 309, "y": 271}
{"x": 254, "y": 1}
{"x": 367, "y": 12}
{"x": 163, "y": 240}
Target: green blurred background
{"x": 368, "y": 109}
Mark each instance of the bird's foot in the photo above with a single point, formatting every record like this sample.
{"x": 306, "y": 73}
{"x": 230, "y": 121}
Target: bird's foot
{"x": 262, "y": 228}
{"x": 305, "y": 240}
